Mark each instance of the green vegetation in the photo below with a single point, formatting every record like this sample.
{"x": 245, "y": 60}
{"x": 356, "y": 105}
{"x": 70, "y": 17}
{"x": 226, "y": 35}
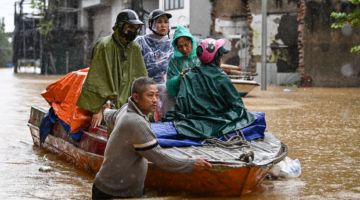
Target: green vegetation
{"x": 46, "y": 9}
{"x": 348, "y": 19}
{"x": 5, "y": 46}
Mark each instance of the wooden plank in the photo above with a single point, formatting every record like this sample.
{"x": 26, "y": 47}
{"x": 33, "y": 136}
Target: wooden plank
{"x": 207, "y": 153}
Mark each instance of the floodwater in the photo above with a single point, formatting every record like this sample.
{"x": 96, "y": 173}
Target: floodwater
{"x": 319, "y": 125}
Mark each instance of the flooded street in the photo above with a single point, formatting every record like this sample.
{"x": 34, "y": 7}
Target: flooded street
{"x": 319, "y": 125}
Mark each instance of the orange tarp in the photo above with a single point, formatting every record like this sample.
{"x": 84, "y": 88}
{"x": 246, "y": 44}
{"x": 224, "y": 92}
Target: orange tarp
{"x": 63, "y": 96}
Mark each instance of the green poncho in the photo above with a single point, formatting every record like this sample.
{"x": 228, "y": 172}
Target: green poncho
{"x": 114, "y": 67}
{"x": 178, "y": 62}
{"x": 208, "y": 105}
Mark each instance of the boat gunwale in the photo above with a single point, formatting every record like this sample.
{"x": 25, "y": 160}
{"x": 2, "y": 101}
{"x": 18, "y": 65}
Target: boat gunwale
{"x": 244, "y": 82}
{"x": 39, "y": 108}
{"x": 80, "y": 150}
{"x": 283, "y": 149}
{"x": 96, "y": 137}
{"x": 102, "y": 157}
{"x": 217, "y": 163}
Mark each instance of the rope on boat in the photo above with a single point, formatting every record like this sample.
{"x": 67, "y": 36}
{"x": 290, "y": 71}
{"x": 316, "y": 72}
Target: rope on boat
{"x": 234, "y": 142}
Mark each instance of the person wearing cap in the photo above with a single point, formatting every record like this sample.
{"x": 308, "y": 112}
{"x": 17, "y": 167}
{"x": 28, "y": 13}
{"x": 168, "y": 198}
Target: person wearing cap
{"x": 157, "y": 50}
{"x": 184, "y": 58}
{"x": 208, "y": 105}
{"x": 156, "y": 46}
{"x": 115, "y": 64}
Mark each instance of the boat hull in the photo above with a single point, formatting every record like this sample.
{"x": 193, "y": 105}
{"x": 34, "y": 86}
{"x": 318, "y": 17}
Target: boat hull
{"x": 85, "y": 160}
{"x": 221, "y": 179}
{"x": 243, "y": 86}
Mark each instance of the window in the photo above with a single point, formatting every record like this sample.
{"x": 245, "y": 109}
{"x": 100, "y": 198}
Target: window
{"x": 174, "y": 4}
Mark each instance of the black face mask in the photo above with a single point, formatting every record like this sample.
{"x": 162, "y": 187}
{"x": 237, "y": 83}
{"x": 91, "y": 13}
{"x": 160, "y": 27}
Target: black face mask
{"x": 130, "y": 36}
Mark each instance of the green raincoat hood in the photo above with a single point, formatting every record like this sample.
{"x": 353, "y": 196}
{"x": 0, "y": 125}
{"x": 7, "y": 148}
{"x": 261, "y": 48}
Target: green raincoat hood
{"x": 179, "y": 32}
{"x": 179, "y": 62}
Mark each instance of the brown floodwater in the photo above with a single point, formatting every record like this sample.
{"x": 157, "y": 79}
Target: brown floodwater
{"x": 319, "y": 125}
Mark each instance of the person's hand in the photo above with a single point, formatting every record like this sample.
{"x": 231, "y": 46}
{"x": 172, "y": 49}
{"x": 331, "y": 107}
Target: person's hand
{"x": 107, "y": 105}
{"x": 181, "y": 75}
{"x": 183, "y": 72}
{"x": 201, "y": 164}
{"x": 97, "y": 118}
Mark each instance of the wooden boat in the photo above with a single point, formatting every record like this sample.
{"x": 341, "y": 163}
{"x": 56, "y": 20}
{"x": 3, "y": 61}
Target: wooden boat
{"x": 228, "y": 176}
{"x": 244, "y": 86}
{"x": 242, "y": 81}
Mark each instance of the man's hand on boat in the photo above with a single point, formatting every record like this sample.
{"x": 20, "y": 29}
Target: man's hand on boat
{"x": 201, "y": 164}
{"x": 97, "y": 118}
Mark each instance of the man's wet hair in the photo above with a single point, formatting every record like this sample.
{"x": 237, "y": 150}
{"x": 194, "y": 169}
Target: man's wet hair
{"x": 139, "y": 85}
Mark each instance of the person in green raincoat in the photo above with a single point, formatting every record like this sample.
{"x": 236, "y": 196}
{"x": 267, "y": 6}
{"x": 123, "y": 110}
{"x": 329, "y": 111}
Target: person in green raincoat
{"x": 184, "y": 58}
{"x": 208, "y": 105}
{"x": 116, "y": 62}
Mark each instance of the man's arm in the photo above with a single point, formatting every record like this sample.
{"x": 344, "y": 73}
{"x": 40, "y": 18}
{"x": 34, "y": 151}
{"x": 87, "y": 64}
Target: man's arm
{"x": 174, "y": 163}
{"x": 110, "y": 116}
{"x": 145, "y": 143}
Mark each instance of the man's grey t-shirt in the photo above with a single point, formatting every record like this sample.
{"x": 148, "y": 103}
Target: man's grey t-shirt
{"x": 130, "y": 145}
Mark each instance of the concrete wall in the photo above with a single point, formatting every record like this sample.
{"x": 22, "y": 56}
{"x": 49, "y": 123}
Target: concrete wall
{"x": 274, "y": 6}
{"x": 90, "y": 3}
{"x": 116, "y": 7}
{"x": 102, "y": 22}
{"x": 150, "y": 5}
{"x": 200, "y": 18}
{"x": 229, "y": 21}
{"x": 229, "y": 8}
{"x": 327, "y": 58}
{"x": 102, "y": 17}
{"x": 273, "y": 22}
{"x": 273, "y": 77}
{"x": 281, "y": 32}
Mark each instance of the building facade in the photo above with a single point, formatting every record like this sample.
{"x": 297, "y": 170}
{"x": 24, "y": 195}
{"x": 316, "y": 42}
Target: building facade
{"x": 301, "y": 47}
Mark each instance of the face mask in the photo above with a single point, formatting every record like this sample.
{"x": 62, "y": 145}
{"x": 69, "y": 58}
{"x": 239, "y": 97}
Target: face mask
{"x": 130, "y": 36}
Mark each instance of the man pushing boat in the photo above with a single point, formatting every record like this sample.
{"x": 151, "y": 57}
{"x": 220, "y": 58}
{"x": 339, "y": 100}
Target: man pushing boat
{"x": 132, "y": 143}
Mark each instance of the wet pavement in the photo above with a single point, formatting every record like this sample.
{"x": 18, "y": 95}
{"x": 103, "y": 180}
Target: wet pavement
{"x": 320, "y": 126}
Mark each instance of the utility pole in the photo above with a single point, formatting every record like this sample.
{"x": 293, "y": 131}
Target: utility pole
{"x": 67, "y": 62}
{"x": 263, "y": 44}
{"x": 23, "y": 34}
{"x": 34, "y": 43}
{"x": 16, "y": 20}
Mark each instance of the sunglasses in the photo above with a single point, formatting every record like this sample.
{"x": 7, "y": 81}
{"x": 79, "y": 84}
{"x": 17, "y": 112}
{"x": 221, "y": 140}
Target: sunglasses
{"x": 133, "y": 28}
